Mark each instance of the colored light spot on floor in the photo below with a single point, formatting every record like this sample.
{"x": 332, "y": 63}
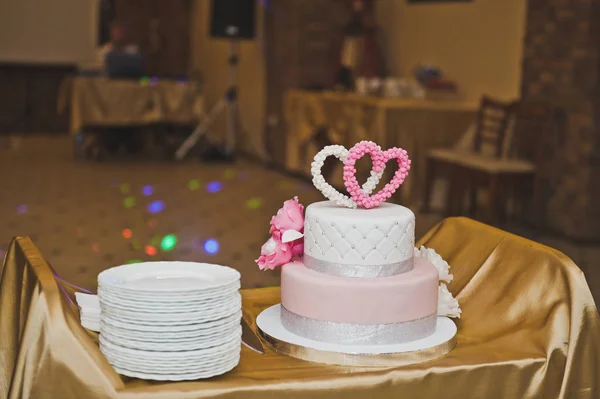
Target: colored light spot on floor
{"x": 131, "y": 261}
{"x": 147, "y": 190}
{"x": 129, "y": 202}
{"x": 168, "y": 242}
{"x": 125, "y": 188}
{"x": 127, "y": 233}
{"x": 254, "y": 203}
{"x": 95, "y": 248}
{"x": 243, "y": 175}
{"x": 194, "y": 185}
{"x": 211, "y": 246}
{"x": 214, "y": 186}
{"x": 21, "y": 209}
{"x": 152, "y": 223}
{"x": 156, "y": 206}
{"x": 229, "y": 174}
{"x": 150, "y": 250}
{"x": 136, "y": 245}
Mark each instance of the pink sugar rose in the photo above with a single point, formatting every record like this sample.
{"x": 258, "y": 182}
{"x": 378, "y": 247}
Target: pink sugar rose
{"x": 274, "y": 253}
{"x": 297, "y": 248}
{"x": 289, "y": 217}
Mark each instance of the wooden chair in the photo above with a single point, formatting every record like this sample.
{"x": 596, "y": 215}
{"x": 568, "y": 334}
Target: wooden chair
{"x": 538, "y": 129}
{"x": 513, "y": 169}
{"x": 491, "y": 126}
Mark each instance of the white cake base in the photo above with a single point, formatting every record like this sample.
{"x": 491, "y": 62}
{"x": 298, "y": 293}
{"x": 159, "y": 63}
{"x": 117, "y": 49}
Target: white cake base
{"x": 281, "y": 340}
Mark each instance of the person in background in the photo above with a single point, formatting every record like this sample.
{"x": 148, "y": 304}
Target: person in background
{"x": 131, "y": 138}
{"x": 118, "y": 43}
{"x": 360, "y": 55}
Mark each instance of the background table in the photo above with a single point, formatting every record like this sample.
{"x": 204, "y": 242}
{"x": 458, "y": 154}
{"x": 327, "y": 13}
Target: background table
{"x": 100, "y": 101}
{"x": 415, "y": 125}
{"x": 529, "y": 330}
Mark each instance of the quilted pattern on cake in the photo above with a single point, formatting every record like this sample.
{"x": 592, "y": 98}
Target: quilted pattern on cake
{"x": 384, "y": 242}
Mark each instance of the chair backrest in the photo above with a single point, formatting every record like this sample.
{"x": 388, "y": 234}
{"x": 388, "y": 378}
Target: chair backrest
{"x": 493, "y": 121}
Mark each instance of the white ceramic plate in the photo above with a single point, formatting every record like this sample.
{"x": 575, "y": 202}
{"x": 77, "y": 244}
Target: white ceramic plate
{"x": 157, "y": 366}
{"x": 145, "y": 308}
{"x": 169, "y": 297}
{"x": 198, "y": 355}
{"x": 269, "y": 321}
{"x": 176, "y": 376}
{"x": 173, "y": 345}
{"x": 153, "y": 327}
{"x": 166, "y": 319}
{"x": 144, "y": 305}
{"x": 161, "y": 335}
{"x": 163, "y": 277}
{"x": 163, "y": 369}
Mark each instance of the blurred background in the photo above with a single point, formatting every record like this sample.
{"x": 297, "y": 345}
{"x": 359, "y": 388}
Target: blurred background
{"x": 137, "y": 130}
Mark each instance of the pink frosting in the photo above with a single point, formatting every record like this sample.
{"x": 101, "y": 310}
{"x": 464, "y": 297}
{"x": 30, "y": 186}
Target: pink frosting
{"x": 404, "y": 297}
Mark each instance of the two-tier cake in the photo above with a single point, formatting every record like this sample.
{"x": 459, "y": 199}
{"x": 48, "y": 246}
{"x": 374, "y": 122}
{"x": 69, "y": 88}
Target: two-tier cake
{"x": 358, "y": 281}
{"x": 350, "y": 274}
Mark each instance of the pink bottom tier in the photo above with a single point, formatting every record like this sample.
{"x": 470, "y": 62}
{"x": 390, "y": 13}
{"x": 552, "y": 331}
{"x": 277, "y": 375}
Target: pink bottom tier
{"x": 387, "y": 309}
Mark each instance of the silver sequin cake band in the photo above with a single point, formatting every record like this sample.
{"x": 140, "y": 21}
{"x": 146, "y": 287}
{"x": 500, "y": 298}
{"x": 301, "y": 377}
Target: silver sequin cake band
{"x": 359, "y": 271}
{"x": 369, "y": 334}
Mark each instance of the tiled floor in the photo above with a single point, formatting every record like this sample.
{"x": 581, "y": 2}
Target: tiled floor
{"x": 87, "y": 216}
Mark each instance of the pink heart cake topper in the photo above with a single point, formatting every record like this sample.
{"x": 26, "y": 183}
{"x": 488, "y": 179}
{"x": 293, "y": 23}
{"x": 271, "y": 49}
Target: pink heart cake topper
{"x": 379, "y": 158}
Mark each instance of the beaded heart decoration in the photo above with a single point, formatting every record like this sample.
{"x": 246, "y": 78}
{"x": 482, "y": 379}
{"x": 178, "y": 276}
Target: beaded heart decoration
{"x": 341, "y": 153}
{"x": 379, "y": 158}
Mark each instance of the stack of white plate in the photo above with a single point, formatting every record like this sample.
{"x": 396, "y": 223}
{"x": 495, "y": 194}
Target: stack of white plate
{"x": 170, "y": 320}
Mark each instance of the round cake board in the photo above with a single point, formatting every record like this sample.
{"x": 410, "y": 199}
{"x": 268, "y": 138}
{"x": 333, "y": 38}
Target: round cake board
{"x": 279, "y": 339}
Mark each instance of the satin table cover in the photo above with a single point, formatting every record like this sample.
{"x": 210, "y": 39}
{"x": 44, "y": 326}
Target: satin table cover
{"x": 100, "y": 101}
{"x": 529, "y": 330}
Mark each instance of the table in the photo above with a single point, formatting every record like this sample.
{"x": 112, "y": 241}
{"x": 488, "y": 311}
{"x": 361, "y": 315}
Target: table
{"x": 100, "y": 101}
{"x": 529, "y": 329}
{"x": 415, "y": 125}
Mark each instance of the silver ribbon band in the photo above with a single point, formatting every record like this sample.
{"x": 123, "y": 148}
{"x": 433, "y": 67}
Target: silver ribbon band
{"x": 347, "y": 333}
{"x": 364, "y": 271}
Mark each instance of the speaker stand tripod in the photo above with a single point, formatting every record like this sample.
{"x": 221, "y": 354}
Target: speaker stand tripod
{"x": 227, "y": 102}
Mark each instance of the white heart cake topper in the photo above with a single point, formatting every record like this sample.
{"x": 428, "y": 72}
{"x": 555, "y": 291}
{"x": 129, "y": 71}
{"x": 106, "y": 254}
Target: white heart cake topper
{"x": 341, "y": 153}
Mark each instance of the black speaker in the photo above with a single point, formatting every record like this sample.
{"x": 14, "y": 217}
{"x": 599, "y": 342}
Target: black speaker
{"x": 232, "y": 19}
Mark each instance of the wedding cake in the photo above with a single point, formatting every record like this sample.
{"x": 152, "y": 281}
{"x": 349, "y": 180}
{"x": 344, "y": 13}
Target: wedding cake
{"x": 350, "y": 271}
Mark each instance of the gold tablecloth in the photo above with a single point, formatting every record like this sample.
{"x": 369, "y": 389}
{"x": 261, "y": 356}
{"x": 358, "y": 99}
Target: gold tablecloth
{"x": 415, "y": 125}
{"x": 529, "y": 330}
{"x": 101, "y": 101}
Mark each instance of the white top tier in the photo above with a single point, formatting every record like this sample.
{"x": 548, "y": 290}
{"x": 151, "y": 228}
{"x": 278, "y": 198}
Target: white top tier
{"x": 378, "y": 236}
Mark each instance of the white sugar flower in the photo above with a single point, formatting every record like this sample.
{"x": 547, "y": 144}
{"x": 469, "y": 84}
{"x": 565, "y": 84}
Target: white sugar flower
{"x": 439, "y": 263}
{"x": 447, "y": 304}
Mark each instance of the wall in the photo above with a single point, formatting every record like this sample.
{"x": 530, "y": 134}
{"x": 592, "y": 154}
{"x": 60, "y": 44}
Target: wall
{"x": 477, "y": 44}
{"x": 47, "y": 31}
{"x": 561, "y": 64}
{"x": 209, "y": 56}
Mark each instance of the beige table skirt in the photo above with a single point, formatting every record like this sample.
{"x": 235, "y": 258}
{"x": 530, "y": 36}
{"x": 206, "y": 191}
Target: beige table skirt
{"x": 415, "y": 125}
{"x": 99, "y": 101}
{"x": 529, "y": 329}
